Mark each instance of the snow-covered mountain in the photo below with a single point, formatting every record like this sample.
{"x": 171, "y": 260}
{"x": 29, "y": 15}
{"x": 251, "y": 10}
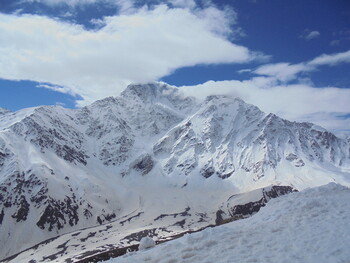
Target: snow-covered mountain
{"x": 148, "y": 159}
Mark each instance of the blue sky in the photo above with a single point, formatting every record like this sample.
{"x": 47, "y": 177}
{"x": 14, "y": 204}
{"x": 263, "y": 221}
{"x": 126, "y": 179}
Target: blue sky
{"x": 290, "y": 57}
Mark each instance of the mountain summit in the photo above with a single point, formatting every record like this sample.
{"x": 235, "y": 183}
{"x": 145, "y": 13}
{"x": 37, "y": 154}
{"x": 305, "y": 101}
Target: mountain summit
{"x": 151, "y": 159}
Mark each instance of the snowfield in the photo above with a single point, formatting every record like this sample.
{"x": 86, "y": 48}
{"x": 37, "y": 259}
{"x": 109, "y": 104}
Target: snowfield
{"x": 308, "y": 226}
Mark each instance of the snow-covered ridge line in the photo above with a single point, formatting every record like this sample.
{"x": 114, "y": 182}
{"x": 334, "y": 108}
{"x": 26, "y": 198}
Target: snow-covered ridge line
{"x": 63, "y": 170}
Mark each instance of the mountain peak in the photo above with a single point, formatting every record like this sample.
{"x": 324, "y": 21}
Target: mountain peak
{"x": 149, "y": 91}
{"x": 159, "y": 93}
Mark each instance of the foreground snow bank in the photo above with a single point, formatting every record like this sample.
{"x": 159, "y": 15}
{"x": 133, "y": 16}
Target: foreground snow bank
{"x": 309, "y": 226}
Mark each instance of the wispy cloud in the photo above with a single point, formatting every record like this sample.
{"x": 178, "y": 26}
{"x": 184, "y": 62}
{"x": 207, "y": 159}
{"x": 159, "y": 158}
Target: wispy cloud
{"x": 331, "y": 60}
{"x": 342, "y": 37}
{"x": 309, "y": 35}
{"x": 285, "y": 72}
{"x": 246, "y": 70}
{"x": 312, "y": 35}
{"x": 282, "y": 71}
{"x": 138, "y": 47}
{"x": 57, "y": 89}
{"x": 335, "y": 42}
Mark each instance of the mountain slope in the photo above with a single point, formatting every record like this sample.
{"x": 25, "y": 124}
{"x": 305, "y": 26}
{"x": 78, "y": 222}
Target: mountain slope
{"x": 310, "y": 226}
{"x": 147, "y": 153}
{"x": 127, "y": 231}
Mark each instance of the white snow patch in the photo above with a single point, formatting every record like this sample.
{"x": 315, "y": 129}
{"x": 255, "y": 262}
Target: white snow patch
{"x": 146, "y": 242}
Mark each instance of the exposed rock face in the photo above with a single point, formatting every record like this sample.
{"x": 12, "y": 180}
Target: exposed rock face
{"x": 254, "y": 206}
{"x": 144, "y": 164}
{"x": 246, "y": 204}
{"x": 59, "y": 213}
{"x": 62, "y": 170}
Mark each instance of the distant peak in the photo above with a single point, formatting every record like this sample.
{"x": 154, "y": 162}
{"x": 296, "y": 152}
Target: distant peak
{"x": 229, "y": 99}
{"x": 149, "y": 90}
{"x": 104, "y": 102}
{"x": 4, "y": 111}
{"x": 222, "y": 97}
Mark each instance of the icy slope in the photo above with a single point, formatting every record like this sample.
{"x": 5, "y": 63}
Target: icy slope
{"x": 310, "y": 227}
{"x": 149, "y": 152}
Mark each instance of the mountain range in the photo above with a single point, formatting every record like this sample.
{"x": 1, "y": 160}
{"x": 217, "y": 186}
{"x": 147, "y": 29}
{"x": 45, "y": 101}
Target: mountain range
{"x": 152, "y": 161}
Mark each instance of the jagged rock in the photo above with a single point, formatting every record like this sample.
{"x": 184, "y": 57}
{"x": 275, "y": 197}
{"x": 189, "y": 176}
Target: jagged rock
{"x": 251, "y": 207}
{"x": 144, "y": 164}
{"x": 105, "y": 218}
{"x": 2, "y": 214}
{"x": 23, "y": 210}
{"x": 58, "y": 213}
{"x": 207, "y": 171}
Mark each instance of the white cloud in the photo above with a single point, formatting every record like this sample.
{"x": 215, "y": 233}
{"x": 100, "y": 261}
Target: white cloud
{"x": 282, "y": 71}
{"x": 139, "y": 47}
{"x": 331, "y": 60}
{"x": 57, "y": 89}
{"x": 309, "y": 35}
{"x": 245, "y": 70}
{"x": 219, "y": 21}
{"x": 312, "y": 35}
{"x": 293, "y": 102}
{"x": 285, "y": 72}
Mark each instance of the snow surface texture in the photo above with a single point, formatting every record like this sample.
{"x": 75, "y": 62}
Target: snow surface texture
{"x": 146, "y": 242}
{"x": 311, "y": 226}
{"x": 149, "y": 160}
